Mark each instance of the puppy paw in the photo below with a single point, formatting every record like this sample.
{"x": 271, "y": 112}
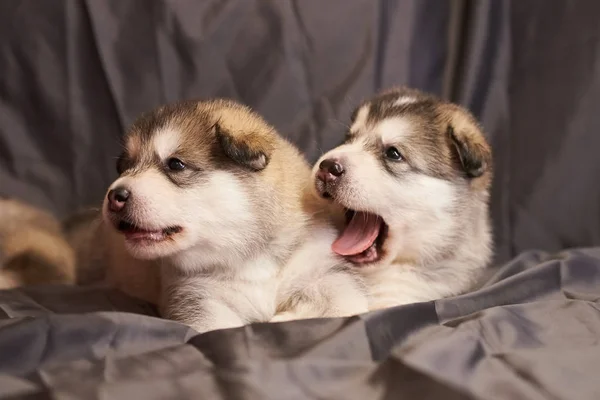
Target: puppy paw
{"x": 284, "y": 316}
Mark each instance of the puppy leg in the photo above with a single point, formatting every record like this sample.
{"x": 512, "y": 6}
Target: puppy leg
{"x": 336, "y": 294}
{"x": 197, "y": 308}
{"x": 202, "y": 315}
{"x": 344, "y": 294}
{"x": 285, "y": 316}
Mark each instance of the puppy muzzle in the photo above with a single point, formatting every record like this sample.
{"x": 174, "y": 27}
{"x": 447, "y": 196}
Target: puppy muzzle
{"x": 328, "y": 176}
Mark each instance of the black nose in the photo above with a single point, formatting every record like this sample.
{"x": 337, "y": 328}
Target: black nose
{"x": 117, "y": 198}
{"x": 332, "y": 166}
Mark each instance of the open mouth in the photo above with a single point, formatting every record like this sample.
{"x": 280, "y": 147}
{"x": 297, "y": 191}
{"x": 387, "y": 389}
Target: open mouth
{"x": 135, "y": 233}
{"x": 362, "y": 240}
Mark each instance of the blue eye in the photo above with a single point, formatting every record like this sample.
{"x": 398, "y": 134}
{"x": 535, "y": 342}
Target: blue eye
{"x": 393, "y": 154}
{"x": 175, "y": 164}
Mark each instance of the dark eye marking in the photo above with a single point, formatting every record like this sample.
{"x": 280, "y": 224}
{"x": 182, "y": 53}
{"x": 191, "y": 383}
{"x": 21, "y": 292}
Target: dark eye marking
{"x": 393, "y": 154}
{"x": 175, "y": 164}
{"x": 122, "y": 163}
{"x": 348, "y": 136}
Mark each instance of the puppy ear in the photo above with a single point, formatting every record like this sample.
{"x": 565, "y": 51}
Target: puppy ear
{"x": 249, "y": 149}
{"x": 469, "y": 144}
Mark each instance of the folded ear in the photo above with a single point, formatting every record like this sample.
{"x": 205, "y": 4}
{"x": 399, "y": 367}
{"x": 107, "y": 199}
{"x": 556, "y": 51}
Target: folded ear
{"x": 249, "y": 149}
{"x": 469, "y": 144}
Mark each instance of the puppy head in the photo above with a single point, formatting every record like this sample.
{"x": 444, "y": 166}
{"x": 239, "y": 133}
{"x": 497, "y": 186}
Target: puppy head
{"x": 190, "y": 178}
{"x": 413, "y": 173}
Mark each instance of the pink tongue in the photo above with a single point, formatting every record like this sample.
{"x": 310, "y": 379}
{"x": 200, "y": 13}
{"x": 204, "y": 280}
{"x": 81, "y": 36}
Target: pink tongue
{"x": 359, "y": 235}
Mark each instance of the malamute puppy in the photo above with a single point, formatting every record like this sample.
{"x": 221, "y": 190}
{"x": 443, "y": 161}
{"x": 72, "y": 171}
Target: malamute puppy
{"x": 414, "y": 177}
{"x": 224, "y": 206}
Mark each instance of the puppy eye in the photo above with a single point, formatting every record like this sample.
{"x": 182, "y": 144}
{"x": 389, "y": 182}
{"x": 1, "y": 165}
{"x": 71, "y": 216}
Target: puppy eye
{"x": 393, "y": 153}
{"x": 175, "y": 164}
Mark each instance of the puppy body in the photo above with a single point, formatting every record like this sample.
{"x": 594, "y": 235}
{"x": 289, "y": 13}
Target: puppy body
{"x": 211, "y": 195}
{"x": 32, "y": 247}
{"x": 417, "y": 171}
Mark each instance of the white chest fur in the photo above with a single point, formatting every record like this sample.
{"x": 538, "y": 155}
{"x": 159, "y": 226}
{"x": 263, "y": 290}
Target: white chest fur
{"x": 221, "y": 297}
{"x": 311, "y": 283}
{"x": 251, "y": 292}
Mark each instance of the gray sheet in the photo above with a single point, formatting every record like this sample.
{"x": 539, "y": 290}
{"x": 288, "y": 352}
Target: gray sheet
{"x": 530, "y": 332}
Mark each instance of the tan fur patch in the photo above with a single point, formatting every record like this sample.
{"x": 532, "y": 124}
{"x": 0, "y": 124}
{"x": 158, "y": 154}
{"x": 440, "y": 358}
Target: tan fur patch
{"x": 33, "y": 249}
{"x": 468, "y": 131}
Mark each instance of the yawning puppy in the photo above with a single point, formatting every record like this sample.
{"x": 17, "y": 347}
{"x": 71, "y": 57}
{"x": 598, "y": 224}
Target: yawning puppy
{"x": 213, "y": 195}
{"x": 32, "y": 247}
{"x": 414, "y": 175}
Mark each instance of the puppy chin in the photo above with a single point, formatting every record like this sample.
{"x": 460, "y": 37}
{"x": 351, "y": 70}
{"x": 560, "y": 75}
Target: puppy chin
{"x": 150, "y": 251}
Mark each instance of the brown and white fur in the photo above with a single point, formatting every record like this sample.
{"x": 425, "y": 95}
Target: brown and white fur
{"x": 33, "y": 249}
{"x": 210, "y": 193}
{"x": 422, "y": 167}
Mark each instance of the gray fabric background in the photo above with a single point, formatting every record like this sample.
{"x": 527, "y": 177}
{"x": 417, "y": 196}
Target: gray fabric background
{"x": 74, "y": 74}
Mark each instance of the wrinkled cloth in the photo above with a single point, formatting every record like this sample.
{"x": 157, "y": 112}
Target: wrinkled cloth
{"x": 530, "y": 332}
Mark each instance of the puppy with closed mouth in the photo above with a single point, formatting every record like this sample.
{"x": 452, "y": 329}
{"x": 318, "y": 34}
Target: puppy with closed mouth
{"x": 211, "y": 194}
{"x": 414, "y": 176}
